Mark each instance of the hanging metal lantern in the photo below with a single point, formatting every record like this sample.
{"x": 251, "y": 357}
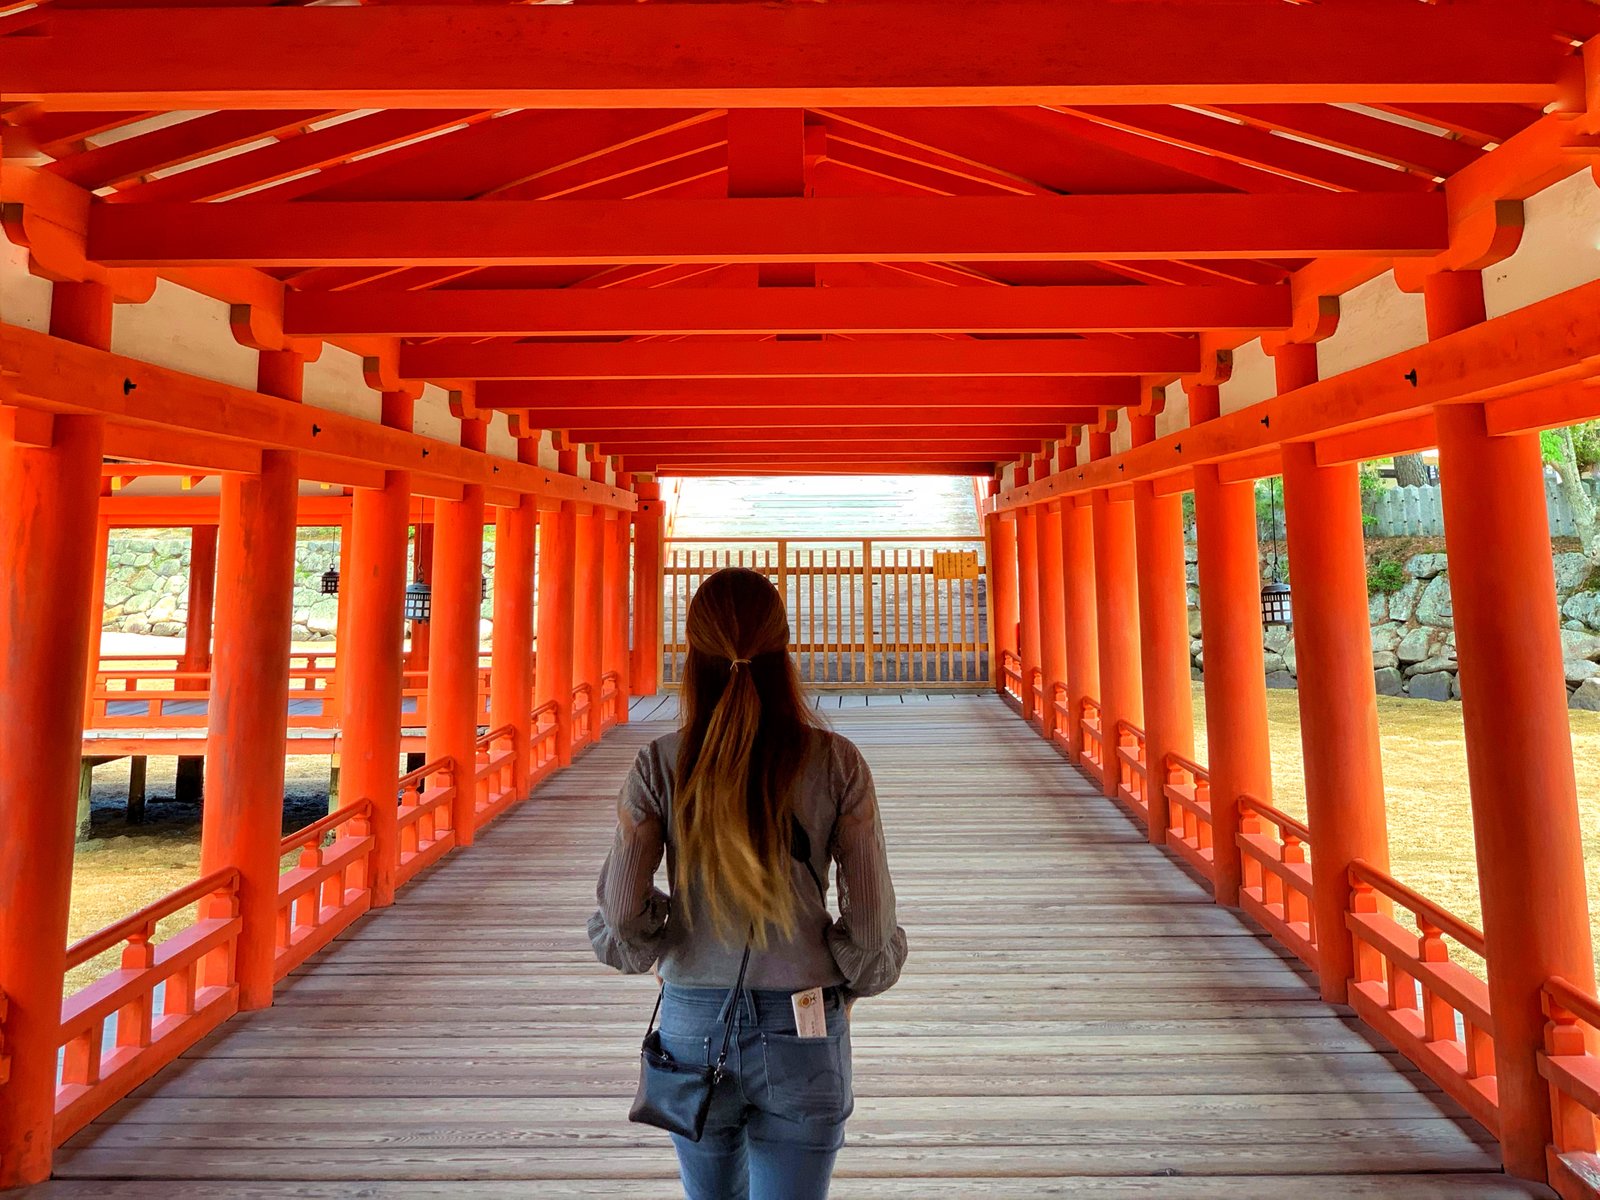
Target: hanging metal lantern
{"x": 485, "y": 591}
{"x": 419, "y": 602}
{"x": 330, "y": 582}
{"x": 1276, "y": 606}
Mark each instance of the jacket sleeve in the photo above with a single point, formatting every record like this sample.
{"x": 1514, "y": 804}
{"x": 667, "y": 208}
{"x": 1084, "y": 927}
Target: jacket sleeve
{"x": 628, "y": 931}
{"x": 866, "y": 943}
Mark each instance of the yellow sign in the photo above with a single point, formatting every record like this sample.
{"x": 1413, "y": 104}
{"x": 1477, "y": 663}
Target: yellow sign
{"x": 955, "y": 564}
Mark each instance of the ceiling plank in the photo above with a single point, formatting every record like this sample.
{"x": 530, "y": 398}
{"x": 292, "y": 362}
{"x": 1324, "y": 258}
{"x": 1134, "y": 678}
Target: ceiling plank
{"x": 872, "y": 229}
{"x": 750, "y": 55}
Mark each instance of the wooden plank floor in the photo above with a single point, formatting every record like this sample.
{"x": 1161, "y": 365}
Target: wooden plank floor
{"x": 1076, "y": 1018}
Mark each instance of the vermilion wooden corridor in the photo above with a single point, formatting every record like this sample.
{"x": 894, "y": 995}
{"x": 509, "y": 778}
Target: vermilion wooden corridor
{"x": 1076, "y": 1017}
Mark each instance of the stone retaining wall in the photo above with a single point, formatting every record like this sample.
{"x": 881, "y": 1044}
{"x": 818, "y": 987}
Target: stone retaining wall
{"x": 1414, "y": 637}
{"x": 147, "y": 584}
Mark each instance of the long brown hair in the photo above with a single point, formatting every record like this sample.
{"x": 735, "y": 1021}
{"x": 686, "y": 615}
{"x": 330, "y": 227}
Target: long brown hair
{"x": 746, "y": 729}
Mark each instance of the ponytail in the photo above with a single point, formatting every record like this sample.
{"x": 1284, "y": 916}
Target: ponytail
{"x": 744, "y": 734}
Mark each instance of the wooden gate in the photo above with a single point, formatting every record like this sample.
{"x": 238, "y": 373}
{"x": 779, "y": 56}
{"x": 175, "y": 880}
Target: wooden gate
{"x": 868, "y": 612}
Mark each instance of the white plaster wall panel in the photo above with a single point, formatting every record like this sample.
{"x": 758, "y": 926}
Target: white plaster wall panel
{"x": 334, "y": 382}
{"x": 1254, "y": 379}
{"x": 1376, "y": 320}
{"x": 24, "y": 298}
{"x": 1560, "y": 247}
{"x": 184, "y": 331}
{"x": 500, "y": 443}
{"x": 549, "y": 456}
{"x": 1175, "y": 415}
{"x": 1122, "y": 435}
{"x": 433, "y": 417}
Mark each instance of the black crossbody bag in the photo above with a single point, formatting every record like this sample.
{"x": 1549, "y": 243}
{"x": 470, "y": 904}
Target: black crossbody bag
{"x": 674, "y": 1095}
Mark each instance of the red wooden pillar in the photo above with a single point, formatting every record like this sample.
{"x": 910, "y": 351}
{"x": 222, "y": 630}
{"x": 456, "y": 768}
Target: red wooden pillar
{"x": 552, "y": 682}
{"x": 49, "y": 497}
{"x": 1052, "y": 611}
{"x": 1163, "y": 635}
{"x": 202, "y": 598}
{"x": 511, "y": 674}
{"x": 373, "y": 595}
{"x": 1238, "y": 751}
{"x": 1117, "y": 618}
{"x": 1004, "y": 609}
{"x": 649, "y": 537}
{"x": 588, "y": 639}
{"x": 614, "y": 637}
{"x": 1338, "y": 703}
{"x": 1027, "y": 593}
{"x": 248, "y": 716}
{"x": 1083, "y": 636}
{"x": 1519, "y": 744}
{"x": 97, "y": 613}
{"x": 453, "y": 639}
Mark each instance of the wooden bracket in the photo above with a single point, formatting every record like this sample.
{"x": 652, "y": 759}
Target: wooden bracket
{"x": 1479, "y": 238}
{"x": 259, "y": 328}
{"x": 1315, "y": 318}
{"x": 50, "y": 216}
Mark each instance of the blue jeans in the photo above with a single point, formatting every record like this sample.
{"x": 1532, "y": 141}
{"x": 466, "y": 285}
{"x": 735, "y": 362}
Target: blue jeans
{"x": 777, "y": 1118}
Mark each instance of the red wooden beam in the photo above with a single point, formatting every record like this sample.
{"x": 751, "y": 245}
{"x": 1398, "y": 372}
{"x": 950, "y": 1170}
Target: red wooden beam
{"x": 127, "y": 159}
{"x": 918, "y": 229}
{"x": 798, "y": 449}
{"x": 1138, "y": 354}
{"x": 592, "y": 424}
{"x": 940, "y": 53}
{"x": 975, "y": 395}
{"x": 620, "y": 312}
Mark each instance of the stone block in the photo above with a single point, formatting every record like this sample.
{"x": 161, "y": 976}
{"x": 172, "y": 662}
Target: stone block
{"x": 1403, "y": 604}
{"x": 1384, "y": 658}
{"x": 1427, "y": 566}
{"x": 324, "y": 615}
{"x": 1587, "y": 696}
{"x": 1389, "y": 682}
{"x": 1581, "y": 669}
{"x": 163, "y": 609}
{"x": 1280, "y": 679}
{"x": 1433, "y": 606}
{"x": 1416, "y": 645}
{"x": 168, "y": 567}
{"x": 1431, "y": 687}
{"x": 1377, "y": 607}
{"x": 1386, "y": 637}
{"x": 1583, "y": 608}
{"x": 1434, "y": 662}
{"x": 139, "y": 602}
{"x": 1579, "y": 645}
{"x": 1273, "y": 662}
{"x": 166, "y": 629}
{"x": 1194, "y": 624}
{"x": 1276, "y": 638}
{"x": 1572, "y": 569}
{"x": 1291, "y": 659}
{"x": 116, "y": 593}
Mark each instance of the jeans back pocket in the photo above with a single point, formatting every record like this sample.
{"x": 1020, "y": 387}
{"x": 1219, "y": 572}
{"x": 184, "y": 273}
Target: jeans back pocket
{"x": 808, "y": 1079}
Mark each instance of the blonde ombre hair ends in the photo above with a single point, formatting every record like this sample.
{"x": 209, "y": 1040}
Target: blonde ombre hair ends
{"x": 746, "y": 731}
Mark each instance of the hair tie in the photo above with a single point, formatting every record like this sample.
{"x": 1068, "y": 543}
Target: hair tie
{"x": 740, "y": 662}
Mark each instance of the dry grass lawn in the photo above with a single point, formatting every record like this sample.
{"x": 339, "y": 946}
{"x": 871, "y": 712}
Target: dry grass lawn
{"x": 1429, "y": 807}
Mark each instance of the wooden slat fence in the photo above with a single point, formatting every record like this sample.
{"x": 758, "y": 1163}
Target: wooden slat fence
{"x": 867, "y": 612}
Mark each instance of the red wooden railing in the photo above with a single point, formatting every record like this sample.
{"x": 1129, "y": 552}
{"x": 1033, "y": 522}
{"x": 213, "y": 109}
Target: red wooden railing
{"x": 1011, "y": 675}
{"x": 1037, "y": 709}
{"x": 328, "y": 888}
{"x": 543, "y": 743}
{"x": 424, "y": 819}
{"x": 1061, "y": 717}
{"x": 1188, "y": 792}
{"x": 496, "y": 776}
{"x": 582, "y": 715}
{"x": 1276, "y": 885}
{"x": 1435, "y": 1011}
{"x": 610, "y": 700}
{"x": 1570, "y": 1065}
{"x": 1093, "y": 751}
{"x": 1131, "y": 772}
{"x": 193, "y": 968}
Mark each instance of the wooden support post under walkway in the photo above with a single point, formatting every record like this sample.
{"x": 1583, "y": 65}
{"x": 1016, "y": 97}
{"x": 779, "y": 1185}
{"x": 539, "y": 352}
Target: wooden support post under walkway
{"x": 1112, "y": 1024}
{"x": 1116, "y": 618}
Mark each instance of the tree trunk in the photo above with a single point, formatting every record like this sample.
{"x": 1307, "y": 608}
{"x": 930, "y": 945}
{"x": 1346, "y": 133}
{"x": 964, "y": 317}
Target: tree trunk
{"x": 1409, "y": 471}
{"x": 1563, "y": 457}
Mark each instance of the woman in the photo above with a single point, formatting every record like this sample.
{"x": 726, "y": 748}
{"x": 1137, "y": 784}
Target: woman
{"x": 750, "y": 801}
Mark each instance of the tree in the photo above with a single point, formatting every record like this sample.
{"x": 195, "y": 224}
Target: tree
{"x": 1409, "y": 471}
{"x": 1570, "y": 452}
